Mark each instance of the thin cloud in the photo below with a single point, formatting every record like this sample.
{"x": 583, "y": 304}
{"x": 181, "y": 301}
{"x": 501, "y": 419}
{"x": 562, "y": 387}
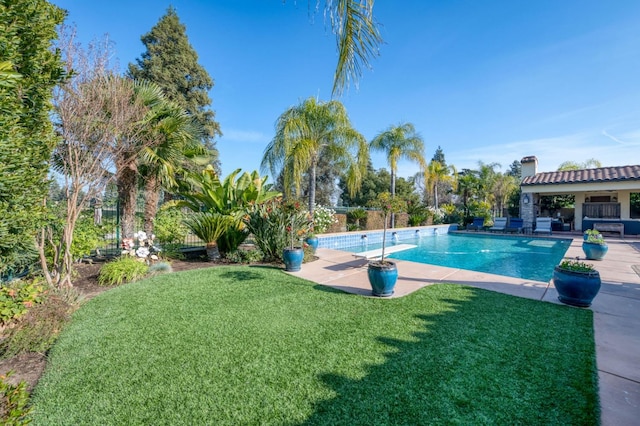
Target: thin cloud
{"x": 630, "y": 135}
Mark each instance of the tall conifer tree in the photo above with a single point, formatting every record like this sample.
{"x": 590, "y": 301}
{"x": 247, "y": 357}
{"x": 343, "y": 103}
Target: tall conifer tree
{"x": 172, "y": 63}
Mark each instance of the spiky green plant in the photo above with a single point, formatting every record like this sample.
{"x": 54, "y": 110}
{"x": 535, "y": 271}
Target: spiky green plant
{"x": 209, "y": 226}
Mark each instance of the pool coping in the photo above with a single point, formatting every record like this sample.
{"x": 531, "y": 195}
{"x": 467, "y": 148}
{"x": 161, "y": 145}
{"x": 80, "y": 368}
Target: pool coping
{"x": 616, "y": 309}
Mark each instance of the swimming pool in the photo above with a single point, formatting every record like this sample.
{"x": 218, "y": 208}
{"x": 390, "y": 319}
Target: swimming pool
{"x": 513, "y": 256}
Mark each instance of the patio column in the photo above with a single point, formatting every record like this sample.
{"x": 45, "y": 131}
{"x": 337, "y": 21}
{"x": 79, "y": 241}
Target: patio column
{"x": 579, "y": 200}
{"x": 624, "y": 198}
{"x": 527, "y": 209}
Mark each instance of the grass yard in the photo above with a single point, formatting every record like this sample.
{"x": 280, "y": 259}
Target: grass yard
{"x": 251, "y": 345}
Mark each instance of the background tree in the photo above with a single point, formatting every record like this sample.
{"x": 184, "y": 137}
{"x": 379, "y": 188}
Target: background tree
{"x": 172, "y": 63}
{"x": 399, "y": 142}
{"x": 591, "y": 163}
{"x": 308, "y": 131}
{"x": 437, "y": 175}
{"x": 503, "y": 186}
{"x": 83, "y": 158}
{"x": 375, "y": 182}
{"x": 31, "y": 71}
{"x": 515, "y": 170}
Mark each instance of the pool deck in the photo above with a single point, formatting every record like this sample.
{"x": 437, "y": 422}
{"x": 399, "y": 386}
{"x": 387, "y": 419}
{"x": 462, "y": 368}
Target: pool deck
{"x": 616, "y": 308}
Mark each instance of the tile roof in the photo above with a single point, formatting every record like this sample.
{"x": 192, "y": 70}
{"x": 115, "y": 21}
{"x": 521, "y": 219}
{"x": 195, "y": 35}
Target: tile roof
{"x": 602, "y": 174}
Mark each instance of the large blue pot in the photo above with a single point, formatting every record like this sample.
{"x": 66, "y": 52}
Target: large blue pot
{"x": 312, "y": 242}
{"x": 594, "y": 251}
{"x": 576, "y": 288}
{"x": 382, "y": 277}
{"x": 293, "y": 259}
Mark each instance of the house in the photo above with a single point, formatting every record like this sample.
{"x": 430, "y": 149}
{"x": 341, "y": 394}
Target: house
{"x": 602, "y": 195}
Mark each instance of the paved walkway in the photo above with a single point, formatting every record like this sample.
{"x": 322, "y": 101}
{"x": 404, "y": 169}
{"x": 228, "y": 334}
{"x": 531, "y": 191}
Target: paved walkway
{"x": 616, "y": 309}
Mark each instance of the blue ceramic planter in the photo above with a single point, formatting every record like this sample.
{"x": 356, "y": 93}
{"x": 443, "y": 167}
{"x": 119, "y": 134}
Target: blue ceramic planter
{"x": 292, "y": 259}
{"x": 594, "y": 251}
{"x": 576, "y": 288}
{"x": 382, "y": 278}
{"x": 313, "y": 243}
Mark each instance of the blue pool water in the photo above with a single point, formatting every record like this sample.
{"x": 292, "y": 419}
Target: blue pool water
{"x": 513, "y": 256}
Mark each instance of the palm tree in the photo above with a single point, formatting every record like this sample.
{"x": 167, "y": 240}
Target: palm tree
{"x": 357, "y": 36}
{"x": 486, "y": 178}
{"x": 399, "y": 142}
{"x": 503, "y": 186}
{"x": 435, "y": 174}
{"x": 308, "y": 131}
{"x": 179, "y": 144}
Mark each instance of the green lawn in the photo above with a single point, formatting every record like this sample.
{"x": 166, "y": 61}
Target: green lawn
{"x": 250, "y": 345}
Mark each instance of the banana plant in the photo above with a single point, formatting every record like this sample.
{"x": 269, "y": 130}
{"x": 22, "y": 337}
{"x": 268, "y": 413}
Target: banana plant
{"x": 205, "y": 191}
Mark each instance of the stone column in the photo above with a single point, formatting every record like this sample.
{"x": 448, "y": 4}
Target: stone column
{"x": 527, "y": 210}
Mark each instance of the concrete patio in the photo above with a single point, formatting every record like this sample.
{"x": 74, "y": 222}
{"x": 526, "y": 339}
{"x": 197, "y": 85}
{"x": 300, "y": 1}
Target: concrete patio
{"x": 616, "y": 309}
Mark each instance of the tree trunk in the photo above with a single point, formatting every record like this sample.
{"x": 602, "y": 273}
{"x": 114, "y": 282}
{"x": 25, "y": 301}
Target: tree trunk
{"x": 312, "y": 186}
{"x": 393, "y": 194}
{"x": 152, "y": 195}
{"x": 127, "y": 191}
{"x": 435, "y": 194}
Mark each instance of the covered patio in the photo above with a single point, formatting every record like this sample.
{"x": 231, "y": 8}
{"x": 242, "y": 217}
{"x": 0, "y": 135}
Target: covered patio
{"x": 603, "y": 197}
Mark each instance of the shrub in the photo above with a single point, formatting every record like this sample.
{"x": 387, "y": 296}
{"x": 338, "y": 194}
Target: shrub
{"x": 273, "y": 223}
{"x": 171, "y": 251}
{"x": 357, "y": 217}
{"x": 40, "y": 326}
{"x": 160, "y": 268}
{"x": 245, "y": 256}
{"x": 13, "y": 402}
{"x": 232, "y": 237}
{"x": 168, "y": 226}
{"x": 122, "y": 270}
{"x": 323, "y": 218}
{"x": 87, "y": 236}
{"x": 352, "y": 227}
{"x": 17, "y": 296}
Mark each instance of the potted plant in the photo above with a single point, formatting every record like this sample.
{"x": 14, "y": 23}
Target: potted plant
{"x": 577, "y": 282}
{"x": 591, "y": 233}
{"x": 382, "y": 273}
{"x": 297, "y": 226}
{"x": 594, "y": 246}
{"x": 312, "y": 241}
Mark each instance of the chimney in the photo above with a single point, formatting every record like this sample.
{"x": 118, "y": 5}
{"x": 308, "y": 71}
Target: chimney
{"x": 529, "y": 166}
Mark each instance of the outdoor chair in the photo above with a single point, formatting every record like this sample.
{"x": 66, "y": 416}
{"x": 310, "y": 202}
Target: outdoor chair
{"x": 499, "y": 224}
{"x": 478, "y": 224}
{"x": 543, "y": 225}
{"x": 515, "y": 225}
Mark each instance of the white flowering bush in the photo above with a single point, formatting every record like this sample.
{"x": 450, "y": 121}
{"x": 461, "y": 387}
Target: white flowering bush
{"x": 141, "y": 246}
{"x": 323, "y": 218}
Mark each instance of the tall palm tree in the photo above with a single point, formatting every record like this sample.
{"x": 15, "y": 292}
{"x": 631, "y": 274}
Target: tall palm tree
{"x": 503, "y": 186}
{"x": 308, "y": 131}
{"x": 437, "y": 173}
{"x": 179, "y": 143}
{"x": 467, "y": 188}
{"x": 142, "y": 136}
{"x": 399, "y": 142}
{"x": 486, "y": 178}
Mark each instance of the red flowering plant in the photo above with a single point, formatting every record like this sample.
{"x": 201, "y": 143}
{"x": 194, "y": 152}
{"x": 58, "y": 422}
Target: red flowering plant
{"x": 276, "y": 225}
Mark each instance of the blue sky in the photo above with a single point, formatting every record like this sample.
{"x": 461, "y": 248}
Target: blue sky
{"x": 489, "y": 81}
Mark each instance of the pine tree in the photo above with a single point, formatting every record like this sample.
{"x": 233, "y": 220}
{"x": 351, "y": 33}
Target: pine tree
{"x": 30, "y": 72}
{"x": 171, "y": 62}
